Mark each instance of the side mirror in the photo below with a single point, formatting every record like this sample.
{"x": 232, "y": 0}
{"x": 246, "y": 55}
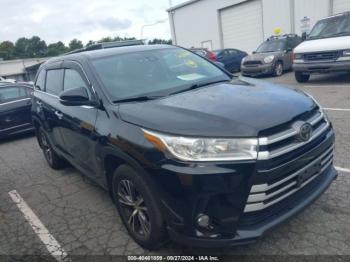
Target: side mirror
{"x": 288, "y": 50}
{"x": 304, "y": 36}
{"x": 75, "y": 97}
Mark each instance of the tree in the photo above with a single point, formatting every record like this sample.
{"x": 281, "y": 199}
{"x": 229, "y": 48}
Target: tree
{"x": 28, "y": 48}
{"x": 157, "y": 41}
{"x": 7, "y": 49}
{"x": 56, "y": 49}
{"x": 90, "y": 43}
{"x": 75, "y": 44}
{"x": 21, "y": 47}
{"x": 36, "y": 47}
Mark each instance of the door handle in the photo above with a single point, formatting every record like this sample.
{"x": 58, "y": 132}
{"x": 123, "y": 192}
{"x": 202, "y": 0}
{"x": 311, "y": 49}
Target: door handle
{"x": 59, "y": 115}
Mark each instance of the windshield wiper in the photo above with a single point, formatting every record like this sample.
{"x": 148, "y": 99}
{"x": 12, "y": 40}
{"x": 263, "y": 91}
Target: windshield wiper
{"x": 136, "y": 98}
{"x": 195, "y": 86}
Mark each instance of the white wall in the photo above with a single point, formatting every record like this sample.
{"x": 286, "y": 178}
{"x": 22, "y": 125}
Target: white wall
{"x": 199, "y": 21}
{"x": 276, "y": 13}
{"x": 340, "y": 6}
{"x": 314, "y": 9}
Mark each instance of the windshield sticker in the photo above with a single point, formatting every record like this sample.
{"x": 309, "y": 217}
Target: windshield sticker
{"x": 191, "y": 63}
{"x": 191, "y": 77}
{"x": 183, "y": 54}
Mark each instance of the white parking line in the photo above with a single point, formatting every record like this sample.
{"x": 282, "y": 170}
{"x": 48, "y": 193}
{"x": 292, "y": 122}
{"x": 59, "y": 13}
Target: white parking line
{"x": 326, "y": 85}
{"x": 341, "y": 169}
{"x": 49, "y": 241}
{"x": 336, "y": 109}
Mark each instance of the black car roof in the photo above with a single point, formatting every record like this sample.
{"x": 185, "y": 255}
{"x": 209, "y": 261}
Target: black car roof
{"x": 108, "y": 52}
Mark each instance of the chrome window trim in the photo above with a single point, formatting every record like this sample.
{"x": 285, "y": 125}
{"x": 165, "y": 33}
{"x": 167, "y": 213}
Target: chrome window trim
{"x": 13, "y": 127}
{"x": 15, "y": 101}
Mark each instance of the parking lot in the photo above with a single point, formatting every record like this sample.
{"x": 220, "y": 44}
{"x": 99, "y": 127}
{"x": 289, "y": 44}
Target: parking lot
{"x": 82, "y": 220}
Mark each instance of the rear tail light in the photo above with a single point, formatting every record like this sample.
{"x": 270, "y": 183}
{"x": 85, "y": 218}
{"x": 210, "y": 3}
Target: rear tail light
{"x": 212, "y": 56}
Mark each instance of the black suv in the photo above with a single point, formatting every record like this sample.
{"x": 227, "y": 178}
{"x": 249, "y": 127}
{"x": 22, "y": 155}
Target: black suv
{"x": 185, "y": 150}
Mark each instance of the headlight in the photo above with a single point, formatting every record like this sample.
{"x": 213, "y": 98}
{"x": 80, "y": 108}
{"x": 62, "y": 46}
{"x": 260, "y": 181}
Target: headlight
{"x": 346, "y": 52}
{"x": 243, "y": 60}
{"x": 298, "y": 56}
{"x": 204, "y": 149}
{"x": 269, "y": 59}
{"x": 320, "y": 107}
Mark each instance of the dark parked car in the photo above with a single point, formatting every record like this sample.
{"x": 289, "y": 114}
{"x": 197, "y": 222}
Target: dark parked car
{"x": 274, "y": 56}
{"x": 231, "y": 58}
{"x": 185, "y": 150}
{"x": 15, "y": 105}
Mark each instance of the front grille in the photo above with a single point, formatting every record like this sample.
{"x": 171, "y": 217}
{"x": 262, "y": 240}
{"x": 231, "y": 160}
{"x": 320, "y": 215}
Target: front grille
{"x": 322, "y": 56}
{"x": 252, "y": 63}
{"x": 282, "y": 171}
{"x": 249, "y": 219}
{"x": 265, "y": 195}
{"x": 284, "y": 139}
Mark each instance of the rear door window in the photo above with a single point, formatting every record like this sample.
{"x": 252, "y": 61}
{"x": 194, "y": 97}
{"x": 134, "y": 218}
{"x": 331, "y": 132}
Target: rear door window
{"x": 9, "y": 94}
{"x": 54, "y": 81}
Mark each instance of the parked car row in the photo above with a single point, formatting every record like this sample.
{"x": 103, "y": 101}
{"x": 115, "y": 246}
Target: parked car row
{"x": 230, "y": 58}
{"x": 326, "y": 49}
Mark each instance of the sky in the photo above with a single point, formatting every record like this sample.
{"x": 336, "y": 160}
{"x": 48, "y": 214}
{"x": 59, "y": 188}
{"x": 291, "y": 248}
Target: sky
{"x": 63, "y": 20}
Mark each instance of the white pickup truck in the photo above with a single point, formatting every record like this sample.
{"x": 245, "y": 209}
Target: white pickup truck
{"x": 326, "y": 49}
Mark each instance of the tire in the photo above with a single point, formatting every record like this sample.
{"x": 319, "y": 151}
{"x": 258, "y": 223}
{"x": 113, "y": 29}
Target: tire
{"x": 54, "y": 161}
{"x": 278, "y": 69}
{"x": 301, "y": 78}
{"x": 137, "y": 205}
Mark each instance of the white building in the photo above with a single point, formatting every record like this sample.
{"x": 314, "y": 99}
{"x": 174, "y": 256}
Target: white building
{"x": 244, "y": 24}
{"x": 21, "y": 69}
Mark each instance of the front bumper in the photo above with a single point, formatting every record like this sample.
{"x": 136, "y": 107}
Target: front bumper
{"x": 247, "y": 236}
{"x": 263, "y": 69}
{"x": 322, "y": 67}
{"x": 222, "y": 190}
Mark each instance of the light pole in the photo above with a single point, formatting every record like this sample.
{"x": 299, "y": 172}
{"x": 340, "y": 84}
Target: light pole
{"x": 155, "y": 23}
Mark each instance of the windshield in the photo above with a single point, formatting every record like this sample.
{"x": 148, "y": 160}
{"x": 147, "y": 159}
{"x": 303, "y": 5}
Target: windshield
{"x": 331, "y": 27}
{"x": 154, "y": 72}
{"x": 272, "y": 46}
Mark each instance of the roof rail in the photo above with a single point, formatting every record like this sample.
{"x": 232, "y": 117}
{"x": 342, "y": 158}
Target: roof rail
{"x": 105, "y": 45}
{"x": 281, "y": 36}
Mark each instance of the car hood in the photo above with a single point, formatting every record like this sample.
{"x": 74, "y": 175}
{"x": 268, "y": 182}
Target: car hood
{"x": 241, "y": 108}
{"x": 326, "y": 44}
{"x": 260, "y": 56}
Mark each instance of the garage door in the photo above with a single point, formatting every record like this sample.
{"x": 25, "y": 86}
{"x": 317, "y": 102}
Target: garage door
{"x": 242, "y": 26}
{"x": 340, "y": 6}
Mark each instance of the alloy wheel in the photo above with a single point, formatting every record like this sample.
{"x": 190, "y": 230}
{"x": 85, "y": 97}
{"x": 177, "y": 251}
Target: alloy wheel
{"x": 134, "y": 208}
{"x": 279, "y": 69}
{"x": 46, "y": 147}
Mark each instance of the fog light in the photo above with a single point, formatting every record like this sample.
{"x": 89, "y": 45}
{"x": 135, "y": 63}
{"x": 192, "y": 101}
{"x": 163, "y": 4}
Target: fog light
{"x": 203, "y": 220}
